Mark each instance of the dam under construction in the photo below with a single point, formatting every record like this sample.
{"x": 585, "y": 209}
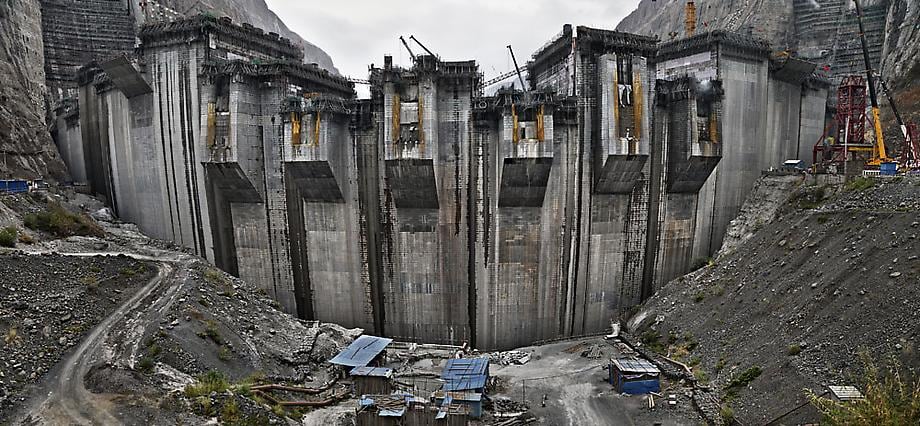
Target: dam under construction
{"x": 438, "y": 211}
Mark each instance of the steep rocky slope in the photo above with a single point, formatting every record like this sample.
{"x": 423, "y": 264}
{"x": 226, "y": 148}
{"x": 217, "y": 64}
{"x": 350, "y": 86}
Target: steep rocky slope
{"x": 26, "y": 149}
{"x": 831, "y": 276}
{"x": 257, "y": 13}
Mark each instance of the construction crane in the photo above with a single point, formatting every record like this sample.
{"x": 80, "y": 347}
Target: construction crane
{"x": 517, "y": 68}
{"x": 406, "y": 45}
{"x": 690, "y": 18}
{"x": 879, "y": 154}
{"x": 412, "y": 37}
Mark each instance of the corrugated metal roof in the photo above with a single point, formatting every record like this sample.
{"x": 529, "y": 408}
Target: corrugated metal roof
{"x": 846, "y": 393}
{"x": 635, "y": 365}
{"x": 362, "y": 351}
{"x": 371, "y": 371}
{"x": 465, "y": 373}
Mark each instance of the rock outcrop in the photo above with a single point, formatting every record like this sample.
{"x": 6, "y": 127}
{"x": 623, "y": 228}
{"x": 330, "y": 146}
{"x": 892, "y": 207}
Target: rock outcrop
{"x": 257, "y": 13}
{"x": 823, "y": 31}
{"x": 26, "y": 149}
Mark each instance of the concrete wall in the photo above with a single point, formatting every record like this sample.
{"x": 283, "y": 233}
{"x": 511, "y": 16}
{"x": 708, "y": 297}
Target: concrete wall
{"x": 429, "y": 213}
{"x": 68, "y": 138}
{"x": 423, "y": 197}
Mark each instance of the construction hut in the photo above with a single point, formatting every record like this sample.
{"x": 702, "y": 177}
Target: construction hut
{"x": 408, "y": 410}
{"x": 371, "y": 380}
{"x": 364, "y": 351}
{"x": 465, "y": 383}
{"x": 634, "y": 376}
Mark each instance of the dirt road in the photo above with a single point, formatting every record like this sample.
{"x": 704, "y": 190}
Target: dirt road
{"x": 67, "y": 400}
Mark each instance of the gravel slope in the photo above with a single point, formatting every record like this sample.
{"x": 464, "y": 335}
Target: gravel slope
{"x": 801, "y": 298}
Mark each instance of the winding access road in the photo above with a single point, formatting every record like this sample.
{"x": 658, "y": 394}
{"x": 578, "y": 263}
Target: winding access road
{"x": 68, "y": 401}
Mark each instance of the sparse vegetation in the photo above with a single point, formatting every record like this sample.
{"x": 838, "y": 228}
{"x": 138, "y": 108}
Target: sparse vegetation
{"x": 742, "y": 380}
{"x": 892, "y": 397}
{"x": 809, "y": 197}
{"x": 728, "y": 415}
{"x": 91, "y": 282}
{"x": 860, "y": 184}
{"x": 205, "y": 384}
{"x": 210, "y": 332}
{"x": 698, "y": 297}
{"x": 230, "y": 413}
{"x": 700, "y": 375}
{"x": 56, "y": 220}
{"x": 793, "y": 350}
{"x": 224, "y": 353}
{"x": 702, "y": 262}
{"x": 12, "y": 337}
{"x": 145, "y": 365}
{"x": 652, "y": 340}
{"x": 8, "y": 236}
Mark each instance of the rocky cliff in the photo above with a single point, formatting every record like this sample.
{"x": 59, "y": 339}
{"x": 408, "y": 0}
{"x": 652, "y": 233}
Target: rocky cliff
{"x": 823, "y": 31}
{"x": 257, "y": 13}
{"x": 26, "y": 149}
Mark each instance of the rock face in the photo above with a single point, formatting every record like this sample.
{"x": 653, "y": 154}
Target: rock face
{"x": 823, "y": 31}
{"x": 26, "y": 149}
{"x": 257, "y": 13}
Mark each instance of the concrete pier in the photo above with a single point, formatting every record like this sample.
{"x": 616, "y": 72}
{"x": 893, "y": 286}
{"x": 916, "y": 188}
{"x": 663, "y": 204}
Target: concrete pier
{"x": 430, "y": 212}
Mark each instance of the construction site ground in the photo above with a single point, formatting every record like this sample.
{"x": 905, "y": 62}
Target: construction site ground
{"x": 578, "y": 393}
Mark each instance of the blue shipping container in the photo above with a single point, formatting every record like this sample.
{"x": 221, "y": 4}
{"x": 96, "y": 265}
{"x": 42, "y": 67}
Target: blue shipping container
{"x": 14, "y": 186}
{"x": 888, "y": 169}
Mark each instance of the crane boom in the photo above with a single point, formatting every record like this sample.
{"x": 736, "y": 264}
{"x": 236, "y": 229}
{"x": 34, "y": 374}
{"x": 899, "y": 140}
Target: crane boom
{"x": 406, "y": 45}
{"x": 878, "y": 154}
{"x": 517, "y": 68}
{"x": 412, "y": 37}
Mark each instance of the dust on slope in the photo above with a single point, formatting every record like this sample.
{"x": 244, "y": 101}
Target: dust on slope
{"x": 799, "y": 299}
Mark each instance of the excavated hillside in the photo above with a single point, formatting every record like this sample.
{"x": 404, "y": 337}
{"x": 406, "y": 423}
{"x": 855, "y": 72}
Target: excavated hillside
{"x": 835, "y": 273}
{"x": 100, "y": 324}
{"x": 26, "y": 148}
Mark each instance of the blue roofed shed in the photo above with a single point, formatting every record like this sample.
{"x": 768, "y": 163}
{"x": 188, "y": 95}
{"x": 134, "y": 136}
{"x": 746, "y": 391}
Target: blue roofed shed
{"x": 634, "y": 376}
{"x": 466, "y": 374}
{"x": 362, "y": 352}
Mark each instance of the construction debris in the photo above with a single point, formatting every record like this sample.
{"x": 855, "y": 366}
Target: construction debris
{"x": 509, "y": 357}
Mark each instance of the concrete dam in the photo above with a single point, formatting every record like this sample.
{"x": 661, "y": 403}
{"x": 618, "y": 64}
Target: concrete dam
{"x": 432, "y": 211}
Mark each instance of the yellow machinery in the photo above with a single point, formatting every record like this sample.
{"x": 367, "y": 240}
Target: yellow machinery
{"x": 879, "y": 154}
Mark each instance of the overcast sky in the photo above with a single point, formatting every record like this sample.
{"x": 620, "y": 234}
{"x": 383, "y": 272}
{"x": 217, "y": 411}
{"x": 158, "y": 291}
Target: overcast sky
{"x": 357, "y": 33}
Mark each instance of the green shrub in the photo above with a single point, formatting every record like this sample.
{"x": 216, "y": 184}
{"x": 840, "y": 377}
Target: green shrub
{"x": 230, "y": 413}
{"x": 205, "y": 384}
{"x": 698, "y": 297}
{"x": 210, "y": 331}
{"x": 742, "y": 380}
{"x": 8, "y": 236}
{"x": 145, "y": 365}
{"x": 652, "y": 340}
{"x": 728, "y": 415}
{"x": 860, "y": 184}
{"x": 794, "y": 350}
{"x": 892, "y": 397}
{"x": 224, "y": 354}
{"x": 62, "y": 223}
